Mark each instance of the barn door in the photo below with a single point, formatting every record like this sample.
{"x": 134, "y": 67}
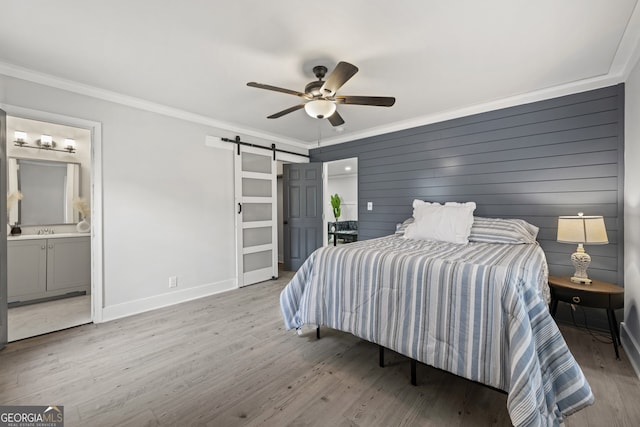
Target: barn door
{"x": 256, "y": 208}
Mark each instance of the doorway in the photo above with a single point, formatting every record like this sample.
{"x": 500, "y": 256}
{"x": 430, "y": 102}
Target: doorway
{"x": 303, "y": 213}
{"x": 341, "y": 179}
{"x": 300, "y": 211}
{"x": 50, "y": 260}
{"x": 259, "y": 206}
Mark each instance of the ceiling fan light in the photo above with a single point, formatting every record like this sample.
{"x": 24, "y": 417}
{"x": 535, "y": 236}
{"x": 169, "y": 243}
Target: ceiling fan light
{"x": 320, "y": 108}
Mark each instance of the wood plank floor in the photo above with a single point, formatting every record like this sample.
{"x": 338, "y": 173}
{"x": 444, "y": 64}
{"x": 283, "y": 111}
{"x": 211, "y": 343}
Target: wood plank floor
{"x": 36, "y": 319}
{"x": 226, "y": 360}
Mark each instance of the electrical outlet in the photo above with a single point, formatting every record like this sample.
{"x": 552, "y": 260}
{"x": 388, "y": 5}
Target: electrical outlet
{"x": 173, "y": 281}
{"x": 369, "y": 206}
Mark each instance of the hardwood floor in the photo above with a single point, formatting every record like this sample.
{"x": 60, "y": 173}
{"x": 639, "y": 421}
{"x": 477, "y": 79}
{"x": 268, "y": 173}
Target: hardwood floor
{"x": 226, "y": 360}
{"x": 36, "y": 319}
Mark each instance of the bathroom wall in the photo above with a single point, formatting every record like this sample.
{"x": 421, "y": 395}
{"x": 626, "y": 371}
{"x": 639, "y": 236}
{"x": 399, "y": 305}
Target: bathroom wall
{"x": 82, "y": 155}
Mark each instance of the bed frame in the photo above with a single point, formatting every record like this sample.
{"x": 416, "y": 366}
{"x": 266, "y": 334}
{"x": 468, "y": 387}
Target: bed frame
{"x": 414, "y": 365}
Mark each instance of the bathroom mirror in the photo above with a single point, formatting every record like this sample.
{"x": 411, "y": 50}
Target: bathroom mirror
{"x": 48, "y": 189}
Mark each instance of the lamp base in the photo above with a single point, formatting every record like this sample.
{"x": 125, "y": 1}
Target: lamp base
{"x": 580, "y": 260}
{"x": 581, "y": 280}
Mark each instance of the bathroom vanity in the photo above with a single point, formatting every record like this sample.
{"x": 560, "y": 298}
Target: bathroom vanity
{"x": 44, "y": 266}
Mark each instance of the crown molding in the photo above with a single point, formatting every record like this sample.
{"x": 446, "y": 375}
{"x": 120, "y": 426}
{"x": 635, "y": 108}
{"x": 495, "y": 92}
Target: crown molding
{"x": 512, "y": 101}
{"x": 11, "y": 70}
{"x": 628, "y": 52}
{"x": 625, "y": 59}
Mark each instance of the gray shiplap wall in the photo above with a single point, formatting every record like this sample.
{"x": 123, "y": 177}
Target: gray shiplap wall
{"x": 534, "y": 161}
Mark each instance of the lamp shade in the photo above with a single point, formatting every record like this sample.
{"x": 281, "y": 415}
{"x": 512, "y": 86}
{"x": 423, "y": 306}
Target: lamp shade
{"x": 320, "y": 108}
{"x": 582, "y": 229}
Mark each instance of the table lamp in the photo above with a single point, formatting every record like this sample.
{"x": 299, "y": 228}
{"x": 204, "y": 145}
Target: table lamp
{"x": 583, "y": 230}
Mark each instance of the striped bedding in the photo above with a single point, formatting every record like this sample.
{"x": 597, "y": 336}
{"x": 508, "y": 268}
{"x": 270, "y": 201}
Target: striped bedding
{"x": 476, "y": 310}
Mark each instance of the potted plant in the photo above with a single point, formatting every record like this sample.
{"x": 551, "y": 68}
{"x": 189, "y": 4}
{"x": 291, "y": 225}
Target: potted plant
{"x": 335, "y": 204}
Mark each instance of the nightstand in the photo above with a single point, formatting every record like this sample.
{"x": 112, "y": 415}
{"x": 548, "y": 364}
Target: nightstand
{"x": 596, "y": 295}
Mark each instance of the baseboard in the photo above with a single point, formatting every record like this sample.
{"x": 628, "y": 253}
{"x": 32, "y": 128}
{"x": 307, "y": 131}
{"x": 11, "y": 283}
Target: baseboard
{"x": 631, "y": 348}
{"x": 130, "y": 308}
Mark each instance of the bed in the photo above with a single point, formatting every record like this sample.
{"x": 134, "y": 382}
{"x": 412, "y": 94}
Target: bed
{"x": 478, "y": 310}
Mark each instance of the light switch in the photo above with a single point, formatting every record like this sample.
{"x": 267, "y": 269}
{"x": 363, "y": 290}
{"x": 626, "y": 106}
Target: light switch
{"x": 369, "y": 206}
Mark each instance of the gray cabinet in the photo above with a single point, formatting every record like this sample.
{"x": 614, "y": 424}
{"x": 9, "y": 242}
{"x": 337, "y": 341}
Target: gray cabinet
{"x": 26, "y": 269}
{"x": 47, "y": 267}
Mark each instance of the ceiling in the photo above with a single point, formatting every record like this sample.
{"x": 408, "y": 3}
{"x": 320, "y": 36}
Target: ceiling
{"x": 440, "y": 59}
{"x": 343, "y": 167}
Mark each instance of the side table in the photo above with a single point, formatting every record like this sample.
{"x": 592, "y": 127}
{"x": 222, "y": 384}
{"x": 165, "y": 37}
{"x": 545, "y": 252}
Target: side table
{"x": 596, "y": 295}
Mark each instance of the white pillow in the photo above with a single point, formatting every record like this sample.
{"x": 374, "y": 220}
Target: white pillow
{"x": 417, "y": 203}
{"x": 448, "y": 223}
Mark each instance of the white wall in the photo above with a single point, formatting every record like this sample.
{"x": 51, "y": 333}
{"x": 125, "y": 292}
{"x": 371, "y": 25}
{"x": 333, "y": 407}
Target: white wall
{"x": 631, "y": 325}
{"x": 346, "y": 186}
{"x": 168, "y": 207}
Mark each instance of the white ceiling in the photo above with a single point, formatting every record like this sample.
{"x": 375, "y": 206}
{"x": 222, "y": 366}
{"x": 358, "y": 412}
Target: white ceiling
{"x": 343, "y": 167}
{"x": 440, "y": 59}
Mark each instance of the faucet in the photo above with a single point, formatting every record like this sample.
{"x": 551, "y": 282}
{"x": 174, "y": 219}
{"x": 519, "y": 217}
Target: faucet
{"x": 45, "y": 231}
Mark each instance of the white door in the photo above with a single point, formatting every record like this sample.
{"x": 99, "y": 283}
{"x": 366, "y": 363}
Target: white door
{"x": 256, "y": 205}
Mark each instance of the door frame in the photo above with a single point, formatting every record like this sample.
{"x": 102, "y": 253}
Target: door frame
{"x": 326, "y": 198}
{"x": 4, "y": 283}
{"x": 97, "y": 274}
{"x": 289, "y": 158}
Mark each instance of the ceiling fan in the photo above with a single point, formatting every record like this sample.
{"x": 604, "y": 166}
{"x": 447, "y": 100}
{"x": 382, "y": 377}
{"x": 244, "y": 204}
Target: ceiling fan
{"x": 321, "y": 99}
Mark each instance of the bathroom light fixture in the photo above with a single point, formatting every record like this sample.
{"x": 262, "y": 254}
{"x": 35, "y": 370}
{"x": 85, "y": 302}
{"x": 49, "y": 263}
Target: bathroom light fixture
{"x": 45, "y": 142}
{"x": 20, "y": 136}
{"x": 581, "y": 229}
{"x": 320, "y": 108}
{"x": 70, "y": 145}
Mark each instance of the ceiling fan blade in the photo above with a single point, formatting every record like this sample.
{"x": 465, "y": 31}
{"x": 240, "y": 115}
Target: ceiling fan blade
{"x": 287, "y": 111}
{"x": 335, "y": 119}
{"x": 278, "y": 89}
{"x": 339, "y": 76}
{"x": 378, "y": 101}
